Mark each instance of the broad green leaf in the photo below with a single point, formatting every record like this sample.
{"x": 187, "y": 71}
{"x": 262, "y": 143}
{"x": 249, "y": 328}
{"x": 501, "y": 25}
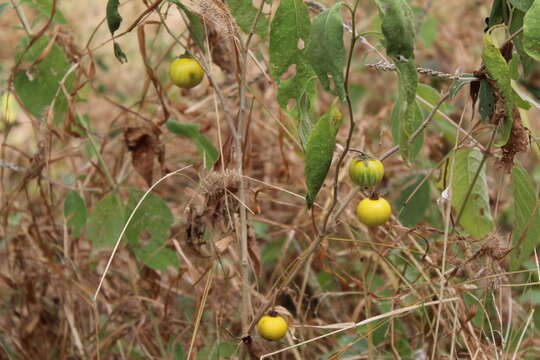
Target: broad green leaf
{"x": 319, "y": 152}
{"x": 486, "y": 98}
{"x": 531, "y": 31}
{"x": 326, "y": 52}
{"x": 153, "y": 219}
{"x": 44, "y": 8}
{"x": 412, "y": 213}
{"x": 476, "y": 217}
{"x": 113, "y": 16}
{"x": 498, "y": 70}
{"x": 397, "y": 28}
{"x": 522, "y": 5}
{"x": 75, "y": 212}
{"x": 244, "y": 13}
{"x": 289, "y": 36}
{"x": 526, "y": 234}
{"x": 516, "y": 24}
{"x": 39, "y": 86}
{"x": 191, "y": 131}
{"x": 457, "y": 85}
{"x": 106, "y": 221}
{"x": 406, "y": 111}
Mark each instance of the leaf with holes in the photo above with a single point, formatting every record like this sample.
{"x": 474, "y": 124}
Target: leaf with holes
{"x": 148, "y": 231}
{"x": 531, "y": 31}
{"x": 498, "y": 70}
{"x": 289, "y": 35}
{"x": 39, "y": 86}
{"x": 476, "y": 216}
{"x": 320, "y": 150}
{"x": 75, "y": 212}
{"x": 326, "y": 52}
{"x": 526, "y": 234}
{"x": 106, "y": 221}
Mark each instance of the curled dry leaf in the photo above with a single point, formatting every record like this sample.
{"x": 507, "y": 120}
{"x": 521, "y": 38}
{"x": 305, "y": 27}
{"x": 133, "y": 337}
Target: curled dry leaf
{"x": 518, "y": 142}
{"x": 143, "y": 143}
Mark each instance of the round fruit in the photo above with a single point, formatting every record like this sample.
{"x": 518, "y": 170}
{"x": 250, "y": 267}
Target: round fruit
{"x": 186, "y": 72}
{"x": 373, "y": 212}
{"x": 272, "y": 326}
{"x": 366, "y": 172}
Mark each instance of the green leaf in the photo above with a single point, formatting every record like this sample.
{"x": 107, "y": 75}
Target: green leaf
{"x": 326, "y": 52}
{"x": 406, "y": 112}
{"x": 244, "y": 13}
{"x": 429, "y": 31}
{"x": 412, "y": 213}
{"x": 429, "y": 97}
{"x": 486, "y": 105}
{"x": 191, "y": 131}
{"x": 319, "y": 152}
{"x": 39, "y": 86}
{"x": 397, "y": 28}
{"x": 498, "y": 70}
{"x": 113, "y": 16}
{"x": 153, "y": 219}
{"x": 516, "y": 24}
{"x": 526, "y": 234}
{"x": 531, "y": 31}
{"x": 476, "y": 217}
{"x": 44, "y": 8}
{"x": 289, "y": 36}
{"x": 499, "y": 13}
{"x": 106, "y": 221}
{"x": 522, "y": 5}
{"x": 119, "y": 53}
{"x": 196, "y": 28}
{"x": 75, "y": 212}
{"x": 457, "y": 85}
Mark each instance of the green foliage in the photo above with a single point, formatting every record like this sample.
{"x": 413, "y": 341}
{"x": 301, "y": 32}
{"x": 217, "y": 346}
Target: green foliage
{"x": 397, "y": 28}
{"x": 476, "y": 217}
{"x": 75, "y": 212}
{"x": 526, "y": 234}
{"x": 326, "y": 52}
{"x": 106, "y": 221}
{"x": 531, "y": 31}
{"x": 319, "y": 151}
{"x": 191, "y": 131}
{"x": 245, "y": 14}
{"x": 39, "y": 86}
{"x": 113, "y": 16}
{"x": 196, "y": 26}
{"x": 522, "y": 5}
{"x": 498, "y": 70}
{"x": 412, "y": 213}
{"x": 406, "y": 112}
{"x": 44, "y": 9}
{"x": 486, "y": 99}
{"x": 429, "y": 97}
{"x": 290, "y": 29}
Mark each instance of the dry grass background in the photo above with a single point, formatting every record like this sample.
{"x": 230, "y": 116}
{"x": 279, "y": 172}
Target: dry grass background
{"x": 48, "y": 278}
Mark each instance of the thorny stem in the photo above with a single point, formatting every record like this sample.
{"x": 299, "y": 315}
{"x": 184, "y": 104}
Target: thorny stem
{"x": 305, "y": 256}
{"x": 246, "y": 299}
